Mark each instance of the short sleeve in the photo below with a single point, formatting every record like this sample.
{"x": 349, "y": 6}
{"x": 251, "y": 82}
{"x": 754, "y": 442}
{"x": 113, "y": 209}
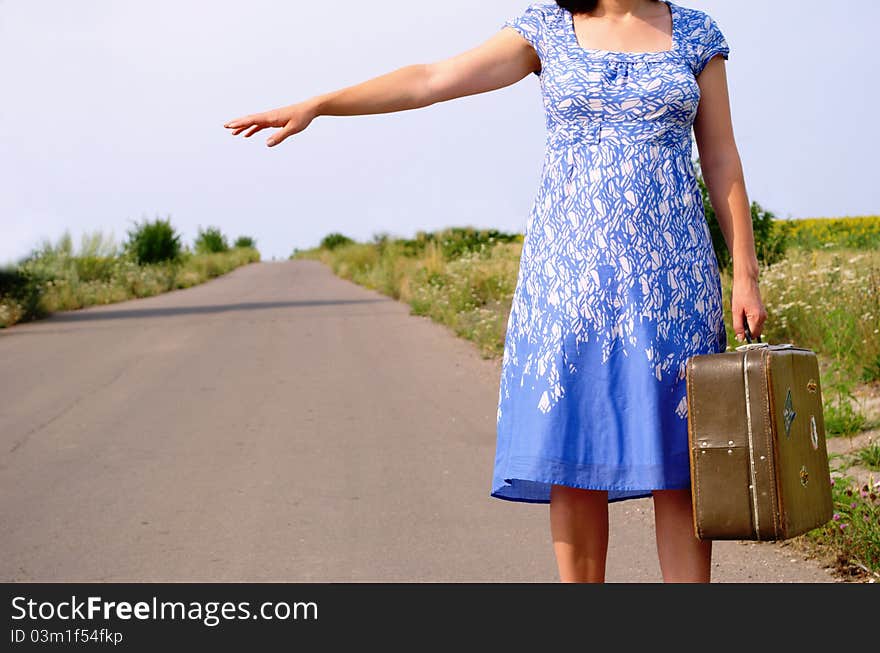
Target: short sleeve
{"x": 709, "y": 41}
{"x": 530, "y": 24}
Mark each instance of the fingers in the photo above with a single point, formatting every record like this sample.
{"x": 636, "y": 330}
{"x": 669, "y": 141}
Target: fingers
{"x": 254, "y": 122}
{"x": 281, "y": 134}
{"x": 241, "y": 126}
{"x": 254, "y": 130}
{"x": 755, "y": 317}
{"x": 738, "y": 326}
{"x": 277, "y": 137}
{"x": 273, "y": 118}
{"x": 258, "y": 122}
{"x": 239, "y": 122}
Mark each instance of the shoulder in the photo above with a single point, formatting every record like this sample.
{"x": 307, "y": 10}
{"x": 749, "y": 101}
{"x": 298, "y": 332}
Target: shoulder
{"x": 701, "y": 37}
{"x": 543, "y": 9}
{"x": 537, "y": 15}
{"x": 535, "y": 23}
{"x": 695, "y": 23}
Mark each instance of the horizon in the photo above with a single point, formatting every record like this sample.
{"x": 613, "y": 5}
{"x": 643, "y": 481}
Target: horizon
{"x": 112, "y": 128}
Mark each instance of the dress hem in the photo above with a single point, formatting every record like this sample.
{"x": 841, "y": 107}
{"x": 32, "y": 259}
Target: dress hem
{"x": 525, "y": 486}
{"x": 643, "y": 494}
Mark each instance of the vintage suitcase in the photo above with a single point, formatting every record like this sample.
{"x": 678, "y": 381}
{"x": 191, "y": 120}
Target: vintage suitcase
{"x": 759, "y": 467}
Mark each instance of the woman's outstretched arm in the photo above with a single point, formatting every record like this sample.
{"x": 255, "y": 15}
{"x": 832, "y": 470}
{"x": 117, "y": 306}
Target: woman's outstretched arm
{"x": 500, "y": 61}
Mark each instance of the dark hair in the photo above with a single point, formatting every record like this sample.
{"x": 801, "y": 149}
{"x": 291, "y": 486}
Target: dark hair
{"x": 578, "y": 6}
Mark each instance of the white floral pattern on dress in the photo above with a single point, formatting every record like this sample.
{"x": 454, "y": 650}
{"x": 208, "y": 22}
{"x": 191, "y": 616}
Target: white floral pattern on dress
{"x": 616, "y": 242}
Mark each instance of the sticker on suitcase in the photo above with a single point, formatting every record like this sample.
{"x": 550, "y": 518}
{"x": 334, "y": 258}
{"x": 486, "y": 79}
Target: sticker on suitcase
{"x": 814, "y": 432}
{"x": 805, "y": 476}
{"x": 788, "y": 413}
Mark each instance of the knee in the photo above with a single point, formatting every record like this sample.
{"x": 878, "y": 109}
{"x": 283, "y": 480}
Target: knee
{"x": 673, "y": 498}
{"x": 563, "y": 497}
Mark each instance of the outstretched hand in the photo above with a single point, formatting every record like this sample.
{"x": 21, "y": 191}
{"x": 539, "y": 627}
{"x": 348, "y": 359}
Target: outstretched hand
{"x": 291, "y": 119}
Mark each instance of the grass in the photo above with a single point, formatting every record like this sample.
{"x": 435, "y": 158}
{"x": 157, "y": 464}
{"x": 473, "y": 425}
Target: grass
{"x": 854, "y": 531}
{"x": 471, "y": 292}
{"x": 54, "y": 279}
{"x": 824, "y": 233}
{"x": 869, "y": 457}
{"x": 828, "y": 301}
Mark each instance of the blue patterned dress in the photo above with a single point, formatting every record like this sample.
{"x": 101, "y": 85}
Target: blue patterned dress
{"x": 618, "y": 282}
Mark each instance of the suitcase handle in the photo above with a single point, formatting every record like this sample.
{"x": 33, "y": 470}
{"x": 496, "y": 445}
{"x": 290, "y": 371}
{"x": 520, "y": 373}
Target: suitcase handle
{"x": 750, "y": 344}
{"x": 759, "y": 344}
{"x": 748, "y": 333}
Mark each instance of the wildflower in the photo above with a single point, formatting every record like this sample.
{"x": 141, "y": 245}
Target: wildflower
{"x": 853, "y": 504}
{"x": 836, "y": 516}
{"x": 843, "y": 527}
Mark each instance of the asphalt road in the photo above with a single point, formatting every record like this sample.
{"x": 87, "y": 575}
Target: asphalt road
{"x": 275, "y": 424}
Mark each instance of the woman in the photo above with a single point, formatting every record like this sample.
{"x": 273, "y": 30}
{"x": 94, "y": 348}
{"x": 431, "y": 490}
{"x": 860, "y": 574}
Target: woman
{"x": 618, "y": 281}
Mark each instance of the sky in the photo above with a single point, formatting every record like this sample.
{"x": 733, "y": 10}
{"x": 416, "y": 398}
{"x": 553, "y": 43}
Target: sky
{"x": 113, "y": 113}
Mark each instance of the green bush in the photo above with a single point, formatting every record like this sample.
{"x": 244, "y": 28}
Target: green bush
{"x": 356, "y": 259}
{"x": 153, "y": 242}
{"x": 211, "y": 241}
{"x": 24, "y": 288}
{"x": 13, "y": 282}
{"x": 456, "y": 242}
{"x": 98, "y": 244}
{"x": 771, "y": 235}
{"x": 334, "y": 240}
{"x": 245, "y": 241}
{"x": 94, "y": 268}
{"x": 770, "y": 239}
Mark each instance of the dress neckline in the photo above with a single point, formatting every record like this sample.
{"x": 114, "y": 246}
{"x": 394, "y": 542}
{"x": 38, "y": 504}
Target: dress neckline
{"x": 621, "y": 54}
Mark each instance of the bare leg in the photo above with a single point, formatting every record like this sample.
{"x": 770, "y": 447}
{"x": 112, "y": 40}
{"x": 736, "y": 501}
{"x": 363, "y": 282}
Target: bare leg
{"x": 579, "y": 526}
{"x": 683, "y": 557}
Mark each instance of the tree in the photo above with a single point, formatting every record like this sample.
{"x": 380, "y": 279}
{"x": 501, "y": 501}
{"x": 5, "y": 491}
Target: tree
{"x": 771, "y": 235}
